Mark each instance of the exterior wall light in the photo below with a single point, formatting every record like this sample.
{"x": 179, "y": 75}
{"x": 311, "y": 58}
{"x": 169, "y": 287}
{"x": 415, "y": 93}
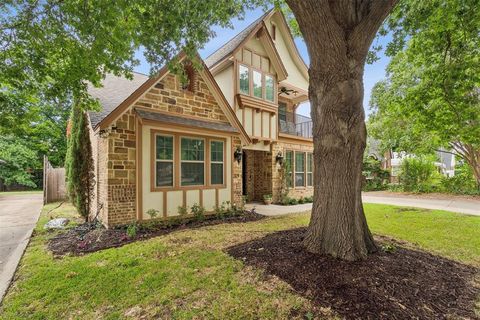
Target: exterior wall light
{"x": 237, "y": 155}
{"x": 279, "y": 158}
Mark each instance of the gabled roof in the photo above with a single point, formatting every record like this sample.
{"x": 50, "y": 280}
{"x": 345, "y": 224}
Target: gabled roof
{"x": 114, "y": 91}
{"x": 229, "y": 47}
{"x": 119, "y": 93}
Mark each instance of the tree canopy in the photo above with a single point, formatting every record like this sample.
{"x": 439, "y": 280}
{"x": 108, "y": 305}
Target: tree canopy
{"x": 431, "y": 97}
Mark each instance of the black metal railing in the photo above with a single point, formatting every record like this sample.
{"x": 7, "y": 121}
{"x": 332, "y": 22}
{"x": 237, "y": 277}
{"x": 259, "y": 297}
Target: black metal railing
{"x": 295, "y": 124}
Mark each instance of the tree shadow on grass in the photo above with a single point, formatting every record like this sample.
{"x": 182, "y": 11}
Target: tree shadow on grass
{"x": 403, "y": 284}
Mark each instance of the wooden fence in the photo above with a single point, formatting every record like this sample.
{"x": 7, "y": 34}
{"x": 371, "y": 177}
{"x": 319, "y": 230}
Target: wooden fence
{"x": 54, "y": 185}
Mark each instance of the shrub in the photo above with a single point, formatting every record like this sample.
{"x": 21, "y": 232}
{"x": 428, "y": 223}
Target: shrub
{"x": 375, "y": 177}
{"x": 462, "y": 182}
{"x": 301, "y": 200}
{"x": 153, "y": 213}
{"x": 132, "y": 230}
{"x": 198, "y": 212}
{"x": 79, "y": 163}
{"x": 293, "y": 201}
{"x": 418, "y": 174}
{"x": 182, "y": 211}
{"x": 222, "y": 210}
{"x": 308, "y": 199}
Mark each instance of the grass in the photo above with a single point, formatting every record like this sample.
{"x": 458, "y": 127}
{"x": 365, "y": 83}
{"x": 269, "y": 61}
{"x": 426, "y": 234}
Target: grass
{"x": 186, "y": 274}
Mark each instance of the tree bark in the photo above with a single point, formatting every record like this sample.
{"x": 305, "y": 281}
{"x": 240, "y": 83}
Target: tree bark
{"x": 338, "y": 34}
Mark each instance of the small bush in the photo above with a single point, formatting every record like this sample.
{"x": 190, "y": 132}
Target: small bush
{"x": 395, "y": 187}
{"x": 198, "y": 212}
{"x": 285, "y": 201}
{"x": 132, "y": 230}
{"x": 293, "y": 201}
{"x": 308, "y": 199}
{"x": 301, "y": 200}
{"x": 153, "y": 213}
{"x": 418, "y": 174}
{"x": 463, "y": 182}
{"x": 375, "y": 177}
{"x": 182, "y": 211}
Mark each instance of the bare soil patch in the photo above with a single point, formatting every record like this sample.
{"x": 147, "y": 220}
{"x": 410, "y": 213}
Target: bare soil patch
{"x": 87, "y": 238}
{"x": 401, "y": 284}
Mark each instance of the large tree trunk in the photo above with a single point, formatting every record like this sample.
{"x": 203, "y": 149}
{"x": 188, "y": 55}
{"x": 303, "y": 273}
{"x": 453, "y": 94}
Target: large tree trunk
{"x": 338, "y": 35}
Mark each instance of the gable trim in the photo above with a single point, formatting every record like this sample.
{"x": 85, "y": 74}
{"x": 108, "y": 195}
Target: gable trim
{"x": 207, "y": 77}
{"x": 291, "y": 46}
{"x": 122, "y": 107}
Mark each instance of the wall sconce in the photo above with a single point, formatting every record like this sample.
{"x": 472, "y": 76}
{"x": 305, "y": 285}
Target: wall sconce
{"x": 237, "y": 155}
{"x": 279, "y": 158}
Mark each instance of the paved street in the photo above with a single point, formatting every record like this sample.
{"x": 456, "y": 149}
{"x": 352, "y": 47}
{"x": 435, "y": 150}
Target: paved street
{"x": 447, "y": 203}
{"x": 18, "y": 216}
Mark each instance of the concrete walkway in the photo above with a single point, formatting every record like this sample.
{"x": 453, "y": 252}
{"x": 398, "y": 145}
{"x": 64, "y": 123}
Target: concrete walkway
{"x": 18, "y": 216}
{"x": 447, "y": 203}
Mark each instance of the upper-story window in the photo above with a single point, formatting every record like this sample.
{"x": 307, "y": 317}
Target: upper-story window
{"x": 255, "y": 75}
{"x": 274, "y": 32}
{"x": 244, "y": 76}
{"x": 269, "y": 88}
{"x": 256, "y": 83}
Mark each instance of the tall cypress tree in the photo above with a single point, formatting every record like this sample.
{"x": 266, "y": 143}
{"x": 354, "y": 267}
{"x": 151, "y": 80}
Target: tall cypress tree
{"x": 79, "y": 162}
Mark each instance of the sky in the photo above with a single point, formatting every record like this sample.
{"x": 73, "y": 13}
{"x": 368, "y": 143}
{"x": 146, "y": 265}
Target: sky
{"x": 373, "y": 72}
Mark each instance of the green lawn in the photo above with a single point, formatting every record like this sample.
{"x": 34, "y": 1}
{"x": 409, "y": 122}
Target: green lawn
{"x": 186, "y": 274}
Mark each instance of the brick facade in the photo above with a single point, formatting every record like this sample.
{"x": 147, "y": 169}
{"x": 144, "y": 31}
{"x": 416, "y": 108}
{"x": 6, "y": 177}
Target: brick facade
{"x": 236, "y": 173}
{"x": 258, "y": 174}
{"x": 264, "y": 174}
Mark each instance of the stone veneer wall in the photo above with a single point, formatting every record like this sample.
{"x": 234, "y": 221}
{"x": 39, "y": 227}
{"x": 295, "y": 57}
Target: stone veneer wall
{"x": 121, "y": 171}
{"x": 168, "y": 96}
{"x": 99, "y": 155}
{"x": 120, "y": 148}
{"x": 277, "y": 174}
{"x": 259, "y": 174}
{"x": 237, "y": 191}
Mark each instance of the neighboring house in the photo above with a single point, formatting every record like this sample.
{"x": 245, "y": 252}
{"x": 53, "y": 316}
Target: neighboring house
{"x": 445, "y": 163}
{"x": 162, "y": 144}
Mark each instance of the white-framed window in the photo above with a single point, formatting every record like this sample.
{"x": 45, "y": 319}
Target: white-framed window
{"x": 309, "y": 169}
{"x": 217, "y": 162}
{"x": 192, "y": 161}
{"x": 164, "y": 164}
{"x": 244, "y": 79}
{"x": 299, "y": 169}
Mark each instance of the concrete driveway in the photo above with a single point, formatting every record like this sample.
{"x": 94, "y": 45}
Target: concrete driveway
{"x": 447, "y": 203}
{"x": 18, "y": 216}
{"x": 438, "y": 202}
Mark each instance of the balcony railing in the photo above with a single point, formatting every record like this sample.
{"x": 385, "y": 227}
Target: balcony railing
{"x": 295, "y": 124}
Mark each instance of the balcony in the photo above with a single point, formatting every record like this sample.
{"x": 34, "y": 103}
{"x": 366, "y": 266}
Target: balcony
{"x": 295, "y": 124}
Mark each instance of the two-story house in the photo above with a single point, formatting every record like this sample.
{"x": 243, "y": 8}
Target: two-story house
{"x": 230, "y": 130}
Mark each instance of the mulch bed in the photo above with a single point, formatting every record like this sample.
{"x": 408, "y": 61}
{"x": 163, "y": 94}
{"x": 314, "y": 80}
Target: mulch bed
{"x": 87, "y": 238}
{"x": 403, "y": 284}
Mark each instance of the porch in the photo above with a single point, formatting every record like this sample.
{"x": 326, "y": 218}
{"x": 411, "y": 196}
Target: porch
{"x": 295, "y": 124}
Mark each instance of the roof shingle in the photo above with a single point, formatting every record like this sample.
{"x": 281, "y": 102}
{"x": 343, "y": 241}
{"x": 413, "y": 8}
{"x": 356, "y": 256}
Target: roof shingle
{"x": 113, "y": 92}
{"x": 231, "y": 45}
